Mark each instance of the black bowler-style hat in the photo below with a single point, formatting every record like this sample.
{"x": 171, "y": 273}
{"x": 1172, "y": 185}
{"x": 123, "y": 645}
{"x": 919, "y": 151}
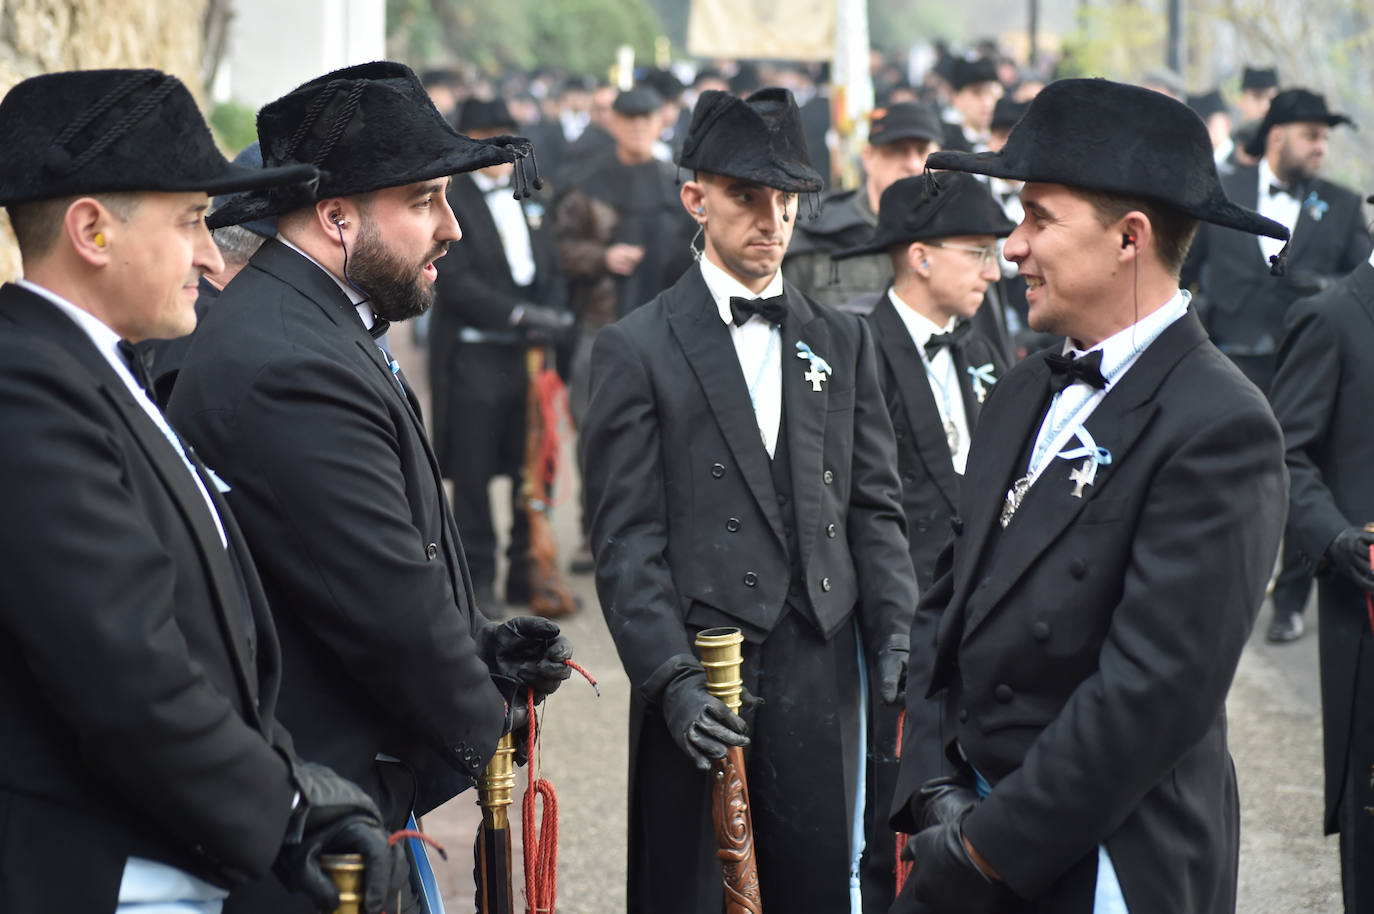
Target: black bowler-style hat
{"x": 640, "y": 101}
{"x": 115, "y": 131}
{"x": 365, "y": 128}
{"x": 1007, "y": 112}
{"x": 910, "y": 211}
{"x": 1208, "y": 104}
{"x": 1293, "y": 106}
{"x": 965, "y": 72}
{"x": 249, "y": 157}
{"x": 1113, "y": 138}
{"x": 904, "y": 121}
{"x": 484, "y": 114}
{"x": 1259, "y": 78}
{"x": 757, "y": 139}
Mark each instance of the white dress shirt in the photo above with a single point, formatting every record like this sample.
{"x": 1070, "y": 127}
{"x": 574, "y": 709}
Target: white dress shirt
{"x": 758, "y": 345}
{"x": 106, "y": 341}
{"x": 1072, "y": 407}
{"x": 514, "y": 231}
{"x": 1283, "y": 208}
{"x": 941, "y": 373}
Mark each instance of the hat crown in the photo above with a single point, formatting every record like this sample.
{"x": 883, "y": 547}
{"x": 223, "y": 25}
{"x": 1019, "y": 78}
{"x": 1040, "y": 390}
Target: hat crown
{"x": 757, "y": 139}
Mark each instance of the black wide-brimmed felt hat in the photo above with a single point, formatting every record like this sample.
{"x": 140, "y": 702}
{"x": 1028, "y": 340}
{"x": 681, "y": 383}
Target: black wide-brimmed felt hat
{"x": 365, "y": 128}
{"x": 905, "y": 121}
{"x": 249, "y": 157}
{"x": 115, "y": 131}
{"x": 757, "y": 139}
{"x": 1259, "y": 78}
{"x": 1113, "y": 138}
{"x": 1007, "y": 112}
{"x": 484, "y": 114}
{"x": 1293, "y": 106}
{"x": 1208, "y": 104}
{"x": 913, "y": 209}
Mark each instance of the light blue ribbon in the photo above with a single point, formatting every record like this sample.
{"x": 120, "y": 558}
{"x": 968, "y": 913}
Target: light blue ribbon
{"x": 983, "y": 378}
{"x": 818, "y": 363}
{"x": 1099, "y": 456}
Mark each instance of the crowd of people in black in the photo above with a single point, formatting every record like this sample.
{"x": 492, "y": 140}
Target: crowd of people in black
{"x": 989, "y": 458}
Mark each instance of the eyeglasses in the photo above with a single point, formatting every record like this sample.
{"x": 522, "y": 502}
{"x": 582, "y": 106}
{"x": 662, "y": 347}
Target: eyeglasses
{"x": 987, "y": 256}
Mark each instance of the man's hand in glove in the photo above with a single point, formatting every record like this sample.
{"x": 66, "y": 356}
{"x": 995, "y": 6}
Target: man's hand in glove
{"x": 943, "y": 800}
{"x": 335, "y": 816}
{"x": 1348, "y": 556}
{"x": 946, "y": 877}
{"x": 543, "y": 324}
{"x": 528, "y": 650}
{"x": 892, "y": 659}
{"x": 702, "y": 726}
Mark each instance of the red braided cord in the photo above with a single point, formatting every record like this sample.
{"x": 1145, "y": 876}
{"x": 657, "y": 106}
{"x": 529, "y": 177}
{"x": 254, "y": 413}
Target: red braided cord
{"x": 552, "y": 398}
{"x": 541, "y": 846}
{"x": 904, "y": 867}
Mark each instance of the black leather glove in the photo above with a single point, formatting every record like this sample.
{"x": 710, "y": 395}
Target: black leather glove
{"x": 943, "y": 800}
{"x": 335, "y": 816}
{"x": 543, "y": 324}
{"x": 1348, "y": 556}
{"x": 527, "y": 649}
{"x": 702, "y": 726}
{"x": 892, "y": 660}
{"x": 947, "y": 879}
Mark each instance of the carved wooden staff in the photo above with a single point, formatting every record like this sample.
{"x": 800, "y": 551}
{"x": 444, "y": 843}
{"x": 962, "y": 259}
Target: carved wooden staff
{"x": 721, "y": 656}
{"x": 494, "y": 788}
{"x": 549, "y": 593}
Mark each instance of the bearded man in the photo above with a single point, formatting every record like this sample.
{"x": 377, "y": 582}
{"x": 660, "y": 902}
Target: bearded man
{"x": 395, "y": 675}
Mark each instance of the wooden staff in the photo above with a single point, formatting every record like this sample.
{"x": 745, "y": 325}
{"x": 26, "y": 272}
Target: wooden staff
{"x": 721, "y": 656}
{"x": 549, "y": 594}
{"x": 494, "y": 788}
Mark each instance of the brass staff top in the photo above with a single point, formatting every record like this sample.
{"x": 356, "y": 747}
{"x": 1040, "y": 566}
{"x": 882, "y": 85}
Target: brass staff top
{"x": 496, "y": 784}
{"x": 721, "y": 655}
{"x": 346, "y": 871}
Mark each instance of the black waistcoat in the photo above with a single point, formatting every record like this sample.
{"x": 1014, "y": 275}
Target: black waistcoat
{"x": 781, "y": 469}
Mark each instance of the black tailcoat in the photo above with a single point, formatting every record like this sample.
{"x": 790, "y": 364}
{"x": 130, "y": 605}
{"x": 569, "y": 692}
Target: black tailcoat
{"x": 689, "y": 532}
{"x": 137, "y": 691}
{"x": 1322, "y": 395}
{"x": 1087, "y": 649}
{"x": 337, "y": 488}
{"x": 1243, "y": 306}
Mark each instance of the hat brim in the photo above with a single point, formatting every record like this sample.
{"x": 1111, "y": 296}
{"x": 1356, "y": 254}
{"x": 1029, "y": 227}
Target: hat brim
{"x": 885, "y": 243}
{"x": 269, "y": 200}
{"x": 1255, "y": 147}
{"x": 1216, "y": 210}
{"x": 905, "y": 133}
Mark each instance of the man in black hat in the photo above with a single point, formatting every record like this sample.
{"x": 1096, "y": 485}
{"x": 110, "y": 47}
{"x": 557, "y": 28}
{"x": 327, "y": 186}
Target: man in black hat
{"x": 1258, "y": 86}
{"x": 1115, "y": 532}
{"x": 899, "y": 139}
{"x": 143, "y": 764}
{"x": 1245, "y": 307}
{"x": 936, "y": 370}
{"x": 397, "y": 678}
{"x": 1321, "y": 397}
{"x": 974, "y": 91}
{"x": 498, "y": 293}
{"x": 739, "y": 469}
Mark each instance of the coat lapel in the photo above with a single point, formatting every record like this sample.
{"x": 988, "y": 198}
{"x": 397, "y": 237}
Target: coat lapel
{"x": 705, "y": 341}
{"x": 918, "y": 401}
{"x": 1115, "y": 424}
{"x": 805, "y": 409}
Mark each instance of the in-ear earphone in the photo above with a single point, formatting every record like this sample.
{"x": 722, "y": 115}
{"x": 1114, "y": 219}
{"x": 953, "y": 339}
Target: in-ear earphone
{"x": 701, "y": 210}
{"x": 925, "y": 264}
{"x": 340, "y": 222}
{"x": 99, "y": 239}
{"x": 1127, "y": 239}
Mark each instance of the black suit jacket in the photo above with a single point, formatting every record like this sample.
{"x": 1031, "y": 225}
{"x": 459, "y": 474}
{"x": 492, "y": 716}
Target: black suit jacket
{"x": 930, "y": 486}
{"x": 1087, "y": 649}
{"x": 338, "y": 490}
{"x": 475, "y": 289}
{"x": 1322, "y": 394}
{"x": 684, "y": 520}
{"x": 1243, "y": 305}
{"x": 137, "y": 690}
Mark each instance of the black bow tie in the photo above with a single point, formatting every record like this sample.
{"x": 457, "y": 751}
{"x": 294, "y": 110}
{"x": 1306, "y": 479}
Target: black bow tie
{"x": 379, "y": 328}
{"x": 773, "y": 310}
{"x": 133, "y": 359}
{"x": 1065, "y": 370}
{"x": 1295, "y": 191}
{"x": 954, "y": 339}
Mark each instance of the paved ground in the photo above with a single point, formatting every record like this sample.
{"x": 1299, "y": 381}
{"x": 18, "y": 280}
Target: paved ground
{"x": 1286, "y": 865}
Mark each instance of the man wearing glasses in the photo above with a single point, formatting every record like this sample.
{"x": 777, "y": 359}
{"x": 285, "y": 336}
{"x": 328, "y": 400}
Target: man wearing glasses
{"x": 936, "y": 369}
